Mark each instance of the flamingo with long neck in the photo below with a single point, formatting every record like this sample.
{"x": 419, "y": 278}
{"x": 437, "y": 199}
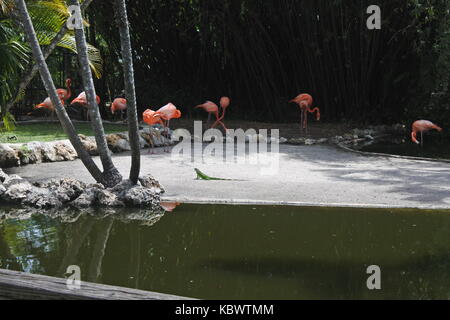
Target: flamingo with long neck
{"x": 305, "y": 102}
{"x": 63, "y": 94}
{"x": 422, "y": 126}
{"x": 82, "y": 100}
{"x": 213, "y": 109}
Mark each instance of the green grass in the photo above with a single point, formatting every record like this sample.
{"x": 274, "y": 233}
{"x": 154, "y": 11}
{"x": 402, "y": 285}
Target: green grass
{"x": 51, "y": 131}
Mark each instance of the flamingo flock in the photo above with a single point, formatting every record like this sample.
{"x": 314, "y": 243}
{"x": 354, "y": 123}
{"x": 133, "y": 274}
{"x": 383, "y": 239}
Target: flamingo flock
{"x": 165, "y": 114}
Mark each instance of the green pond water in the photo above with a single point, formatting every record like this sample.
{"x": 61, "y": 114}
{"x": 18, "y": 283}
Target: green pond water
{"x": 434, "y": 146}
{"x": 243, "y": 252}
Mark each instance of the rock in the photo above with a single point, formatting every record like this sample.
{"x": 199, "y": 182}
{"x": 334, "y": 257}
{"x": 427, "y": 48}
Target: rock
{"x": 48, "y": 153}
{"x": 64, "y": 152}
{"x": 108, "y": 199}
{"x": 8, "y": 157}
{"x": 17, "y": 190}
{"x": 118, "y": 143}
{"x": 310, "y": 142}
{"x": 65, "y": 190}
{"x": 36, "y": 150}
{"x": 88, "y": 198}
{"x": 297, "y": 141}
{"x": 282, "y": 140}
{"x": 89, "y": 145}
{"x": 2, "y": 190}
{"x": 122, "y": 187}
{"x": 139, "y": 196}
{"x": 322, "y": 141}
{"x": 143, "y": 143}
{"x": 12, "y": 179}
{"x": 3, "y": 176}
{"x": 149, "y": 182}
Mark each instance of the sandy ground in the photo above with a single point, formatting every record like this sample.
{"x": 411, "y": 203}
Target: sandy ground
{"x": 302, "y": 175}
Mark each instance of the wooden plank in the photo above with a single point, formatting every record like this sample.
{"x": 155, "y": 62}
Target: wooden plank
{"x": 25, "y": 286}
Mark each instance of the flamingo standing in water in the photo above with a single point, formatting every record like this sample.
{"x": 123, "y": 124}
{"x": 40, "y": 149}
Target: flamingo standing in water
{"x": 305, "y": 102}
{"x": 167, "y": 113}
{"x": 151, "y": 118}
{"x": 63, "y": 94}
{"x": 422, "y": 126}
{"x": 119, "y": 104}
{"x": 82, "y": 100}
{"x": 213, "y": 109}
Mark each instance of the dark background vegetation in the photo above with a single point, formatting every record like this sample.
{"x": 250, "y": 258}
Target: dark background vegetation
{"x": 262, "y": 53}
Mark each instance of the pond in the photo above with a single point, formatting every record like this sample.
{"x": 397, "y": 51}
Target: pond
{"x": 242, "y": 252}
{"x": 435, "y": 146}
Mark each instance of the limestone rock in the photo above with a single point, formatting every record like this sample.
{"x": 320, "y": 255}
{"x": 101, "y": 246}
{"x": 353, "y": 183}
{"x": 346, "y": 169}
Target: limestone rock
{"x": 118, "y": 143}
{"x": 106, "y": 198}
{"x": 88, "y": 198}
{"x": 3, "y": 176}
{"x": 150, "y": 182}
{"x": 89, "y": 144}
{"x": 64, "y": 152}
{"x": 139, "y": 196}
{"x": 8, "y": 157}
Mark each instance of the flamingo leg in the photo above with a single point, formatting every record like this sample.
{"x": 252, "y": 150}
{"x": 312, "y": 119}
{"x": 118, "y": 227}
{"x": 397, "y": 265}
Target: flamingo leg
{"x": 301, "y": 121}
{"x": 305, "y": 125}
{"x": 209, "y": 118}
{"x": 218, "y": 121}
{"x": 167, "y": 145}
{"x": 421, "y": 139}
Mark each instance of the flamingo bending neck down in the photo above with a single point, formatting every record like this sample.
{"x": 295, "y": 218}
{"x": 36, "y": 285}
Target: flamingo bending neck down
{"x": 47, "y": 104}
{"x": 167, "y": 113}
{"x": 422, "y": 126}
{"x": 119, "y": 104}
{"x": 305, "y": 102}
{"x": 82, "y": 100}
{"x": 212, "y": 108}
{"x": 151, "y": 118}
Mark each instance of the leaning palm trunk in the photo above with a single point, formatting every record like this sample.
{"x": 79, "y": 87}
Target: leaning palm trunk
{"x": 111, "y": 176}
{"x": 31, "y": 73}
{"x": 130, "y": 92}
{"x": 51, "y": 91}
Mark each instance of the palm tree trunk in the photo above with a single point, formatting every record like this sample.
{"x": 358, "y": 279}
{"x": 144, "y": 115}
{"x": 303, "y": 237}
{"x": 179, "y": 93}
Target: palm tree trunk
{"x": 111, "y": 175}
{"x": 130, "y": 92}
{"x": 31, "y": 73}
{"x": 51, "y": 91}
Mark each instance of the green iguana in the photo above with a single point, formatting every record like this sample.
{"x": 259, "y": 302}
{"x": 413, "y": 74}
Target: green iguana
{"x": 202, "y": 176}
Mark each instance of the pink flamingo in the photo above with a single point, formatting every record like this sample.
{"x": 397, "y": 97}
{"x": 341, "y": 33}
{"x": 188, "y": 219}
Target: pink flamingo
{"x": 422, "y": 126}
{"x": 119, "y": 104}
{"x": 151, "y": 118}
{"x": 47, "y": 104}
{"x": 166, "y": 113}
{"x": 305, "y": 102}
{"x": 213, "y": 109}
{"x": 169, "y": 206}
{"x": 63, "y": 94}
{"x": 82, "y": 100}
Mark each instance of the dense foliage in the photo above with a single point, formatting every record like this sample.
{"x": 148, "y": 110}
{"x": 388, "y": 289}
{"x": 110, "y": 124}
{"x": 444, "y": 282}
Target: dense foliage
{"x": 264, "y": 52}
